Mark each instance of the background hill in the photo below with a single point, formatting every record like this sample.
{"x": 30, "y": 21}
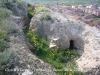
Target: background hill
{"x": 65, "y": 1}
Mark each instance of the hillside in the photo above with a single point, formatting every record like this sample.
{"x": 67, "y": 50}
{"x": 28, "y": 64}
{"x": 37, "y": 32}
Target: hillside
{"x": 34, "y": 40}
{"x": 64, "y": 1}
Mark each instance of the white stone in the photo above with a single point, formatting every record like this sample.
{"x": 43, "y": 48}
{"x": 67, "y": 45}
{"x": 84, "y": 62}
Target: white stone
{"x": 27, "y": 72}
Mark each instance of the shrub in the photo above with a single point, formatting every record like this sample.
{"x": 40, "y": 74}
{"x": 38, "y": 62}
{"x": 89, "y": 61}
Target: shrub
{"x": 2, "y": 4}
{"x": 30, "y": 12}
{"x": 3, "y": 36}
{"x": 4, "y": 13}
{"x": 3, "y": 45}
{"x": 41, "y": 8}
{"x": 20, "y": 5}
{"x": 9, "y": 5}
{"x": 3, "y": 41}
{"x": 46, "y": 17}
{"x": 38, "y": 43}
{"x": 5, "y": 56}
{"x": 63, "y": 59}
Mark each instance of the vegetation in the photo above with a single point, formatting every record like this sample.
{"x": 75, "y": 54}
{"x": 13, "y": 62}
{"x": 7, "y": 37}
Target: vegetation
{"x": 5, "y": 56}
{"x": 40, "y": 8}
{"x": 7, "y": 27}
{"x": 46, "y": 17}
{"x": 79, "y": 2}
{"x": 95, "y": 18}
{"x": 30, "y": 12}
{"x": 3, "y": 41}
{"x": 4, "y": 14}
{"x": 56, "y": 57}
{"x": 4, "y": 37}
{"x": 20, "y": 5}
{"x": 9, "y": 5}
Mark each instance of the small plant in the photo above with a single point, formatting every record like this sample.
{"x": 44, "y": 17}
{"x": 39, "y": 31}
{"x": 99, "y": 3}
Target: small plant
{"x": 46, "y": 17}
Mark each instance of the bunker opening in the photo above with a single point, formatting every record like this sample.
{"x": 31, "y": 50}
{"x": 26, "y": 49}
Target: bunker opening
{"x": 72, "y": 46}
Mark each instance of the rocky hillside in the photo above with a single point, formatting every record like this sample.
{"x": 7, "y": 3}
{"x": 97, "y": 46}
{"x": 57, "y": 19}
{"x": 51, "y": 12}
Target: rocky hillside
{"x": 60, "y": 29}
{"x": 48, "y": 32}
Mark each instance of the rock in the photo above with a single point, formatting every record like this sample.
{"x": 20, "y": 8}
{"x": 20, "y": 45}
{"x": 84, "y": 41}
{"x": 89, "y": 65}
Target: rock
{"x": 67, "y": 29}
{"x": 27, "y": 72}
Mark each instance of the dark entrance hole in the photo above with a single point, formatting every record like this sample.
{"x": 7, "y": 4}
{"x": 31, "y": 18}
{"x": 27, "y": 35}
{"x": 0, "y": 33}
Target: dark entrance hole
{"x": 72, "y": 44}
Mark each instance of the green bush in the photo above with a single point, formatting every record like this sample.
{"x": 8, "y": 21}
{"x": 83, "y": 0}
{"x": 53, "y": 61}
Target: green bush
{"x": 5, "y": 56}
{"x": 20, "y": 5}
{"x": 3, "y": 36}
{"x": 30, "y": 12}
{"x": 9, "y": 5}
{"x": 41, "y": 8}
{"x": 38, "y": 43}
{"x": 4, "y": 13}
{"x": 46, "y": 17}
{"x": 3, "y": 45}
{"x": 3, "y": 41}
{"x": 2, "y": 4}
